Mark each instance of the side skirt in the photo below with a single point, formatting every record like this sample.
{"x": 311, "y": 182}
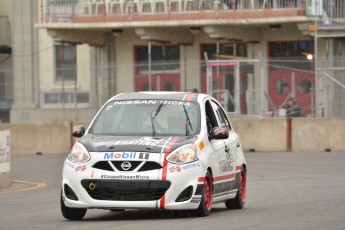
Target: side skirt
{"x": 224, "y": 196}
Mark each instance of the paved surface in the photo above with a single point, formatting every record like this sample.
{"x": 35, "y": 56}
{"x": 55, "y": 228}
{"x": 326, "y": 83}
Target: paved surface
{"x": 285, "y": 191}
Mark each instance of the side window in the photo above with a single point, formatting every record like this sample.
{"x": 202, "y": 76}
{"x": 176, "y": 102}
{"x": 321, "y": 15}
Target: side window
{"x": 221, "y": 116}
{"x": 211, "y": 119}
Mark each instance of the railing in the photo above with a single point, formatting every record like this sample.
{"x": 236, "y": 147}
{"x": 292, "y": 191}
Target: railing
{"x": 333, "y": 14}
{"x": 132, "y": 10}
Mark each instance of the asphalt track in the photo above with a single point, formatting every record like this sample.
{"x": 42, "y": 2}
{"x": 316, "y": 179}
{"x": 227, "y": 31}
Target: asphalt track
{"x": 285, "y": 191}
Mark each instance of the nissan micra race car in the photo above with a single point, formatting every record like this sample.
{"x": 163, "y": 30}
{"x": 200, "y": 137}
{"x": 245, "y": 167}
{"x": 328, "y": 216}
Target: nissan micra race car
{"x": 163, "y": 150}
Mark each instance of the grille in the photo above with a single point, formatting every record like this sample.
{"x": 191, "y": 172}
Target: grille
{"x": 148, "y": 165}
{"x": 134, "y": 165}
{"x": 104, "y": 165}
{"x": 126, "y": 190}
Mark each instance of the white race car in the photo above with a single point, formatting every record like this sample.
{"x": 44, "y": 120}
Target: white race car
{"x": 165, "y": 150}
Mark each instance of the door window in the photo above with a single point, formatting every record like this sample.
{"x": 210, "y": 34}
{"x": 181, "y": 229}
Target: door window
{"x": 221, "y": 116}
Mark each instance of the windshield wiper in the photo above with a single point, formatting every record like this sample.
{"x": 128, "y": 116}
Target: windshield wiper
{"x": 187, "y": 122}
{"x": 158, "y": 109}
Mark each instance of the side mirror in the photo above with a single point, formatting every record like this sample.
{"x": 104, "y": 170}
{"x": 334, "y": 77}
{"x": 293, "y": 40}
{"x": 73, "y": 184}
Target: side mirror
{"x": 219, "y": 133}
{"x": 78, "y": 131}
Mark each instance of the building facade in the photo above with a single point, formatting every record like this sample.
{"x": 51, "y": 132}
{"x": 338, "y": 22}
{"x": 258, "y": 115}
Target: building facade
{"x": 252, "y": 55}
{"x": 6, "y": 61}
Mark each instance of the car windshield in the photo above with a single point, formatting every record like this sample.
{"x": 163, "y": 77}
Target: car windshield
{"x": 148, "y": 118}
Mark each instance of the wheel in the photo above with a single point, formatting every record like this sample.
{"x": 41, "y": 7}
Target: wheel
{"x": 205, "y": 206}
{"x": 240, "y": 199}
{"x": 72, "y": 213}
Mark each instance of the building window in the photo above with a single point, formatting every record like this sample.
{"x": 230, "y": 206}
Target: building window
{"x": 281, "y": 87}
{"x": 164, "y": 58}
{"x": 65, "y": 62}
{"x": 291, "y": 55}
{"x": 227, "y": 51}
{"x": 304, "y": 86}
{"x": 58, "y": 98}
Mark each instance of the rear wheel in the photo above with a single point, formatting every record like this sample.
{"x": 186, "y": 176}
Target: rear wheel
{"x": 240, "y": 198}
{"x": 72, "y": 213}
{"x": 205, "y": 206}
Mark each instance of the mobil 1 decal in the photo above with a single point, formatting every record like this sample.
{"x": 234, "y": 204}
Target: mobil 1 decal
{"x": 125, "y": 155}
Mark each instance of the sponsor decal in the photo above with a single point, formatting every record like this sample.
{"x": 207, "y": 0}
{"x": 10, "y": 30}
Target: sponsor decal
{"x": 225, "y": 166}
{"x": 179, "y": 168}
{"x": 125, "y": 155}
{"x": 201, "y": 145}
{"x": 80, "y": 168}
{"x": 148, "y": 102}
{"x": 183, "y": 103}
{"x": 144, "y": 156}
{"x": 141, "y": 141}
{"x": 69, "y": 164}
{"x": 175, "y": 169}
{"x": 195, "y": 200}
{"x": 230, "y": 154}
{"x": 136, "y": 102}
{"x": 125, "y": 177}
{"x": 190, "y": 166}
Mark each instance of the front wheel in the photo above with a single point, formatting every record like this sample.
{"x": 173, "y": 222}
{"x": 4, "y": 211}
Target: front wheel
{"x": 205, "y": 206}
{"x": 240, "y": 199}
{"x": 72, "y": 213}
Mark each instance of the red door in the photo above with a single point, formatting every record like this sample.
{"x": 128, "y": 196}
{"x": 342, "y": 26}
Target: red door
{"x": 298, "y": 84}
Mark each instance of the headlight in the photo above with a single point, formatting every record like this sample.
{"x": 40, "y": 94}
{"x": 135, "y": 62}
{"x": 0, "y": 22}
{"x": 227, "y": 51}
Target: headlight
{"x": 79, "y": 153}
{"x": 183, "y": 155}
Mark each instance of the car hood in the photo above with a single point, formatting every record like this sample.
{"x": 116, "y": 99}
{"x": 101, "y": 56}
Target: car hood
{"x": 98, "y": 143}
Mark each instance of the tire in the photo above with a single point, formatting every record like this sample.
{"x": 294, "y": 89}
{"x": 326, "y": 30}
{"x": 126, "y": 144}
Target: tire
{"x": 240, "y": 199}
{"x": 71, "y": 213}
{"x": 205, "y": 206}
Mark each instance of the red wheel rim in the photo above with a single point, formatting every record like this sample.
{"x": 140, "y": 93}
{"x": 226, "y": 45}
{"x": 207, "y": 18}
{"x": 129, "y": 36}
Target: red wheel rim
{"x": 208, "y": 192}
{"x": 242, "y": 188}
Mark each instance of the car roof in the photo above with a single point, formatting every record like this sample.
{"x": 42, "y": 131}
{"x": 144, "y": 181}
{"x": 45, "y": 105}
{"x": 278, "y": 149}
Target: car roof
{"x": 161, "y": 95}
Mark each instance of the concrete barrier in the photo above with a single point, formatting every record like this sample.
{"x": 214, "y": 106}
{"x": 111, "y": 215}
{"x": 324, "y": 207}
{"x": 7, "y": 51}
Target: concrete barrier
{"x": 262, "y": 134}
{"x": 52, "y": 138}
{"x": 257, "y": 134}
{"x": 318, "y": 134}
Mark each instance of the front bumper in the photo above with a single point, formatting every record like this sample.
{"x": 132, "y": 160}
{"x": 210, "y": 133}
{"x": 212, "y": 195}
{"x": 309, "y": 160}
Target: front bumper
{"x": 96, "y": 188}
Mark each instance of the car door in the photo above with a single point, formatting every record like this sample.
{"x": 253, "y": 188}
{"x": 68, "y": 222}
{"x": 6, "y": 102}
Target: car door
{"x": 228, "y": 160}
{"x": 217, "y": 147}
